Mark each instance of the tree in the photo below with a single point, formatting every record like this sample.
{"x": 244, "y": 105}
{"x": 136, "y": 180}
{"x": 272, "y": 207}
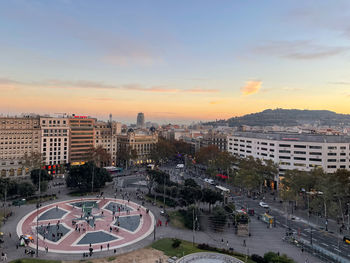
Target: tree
{"x": 125, "y": 155}
{"x": 210, "y": 197}
{"x": 162, "y": 151}
{"x": 44, "y": 178}
{"x": 191, "y": 182}
{"x": 34, "y": 160}
{"x": 99, "y": 156}
{"x": 26, "y": 189}
{"x": 207, "y": 155}
{"x": 81, "y": 177}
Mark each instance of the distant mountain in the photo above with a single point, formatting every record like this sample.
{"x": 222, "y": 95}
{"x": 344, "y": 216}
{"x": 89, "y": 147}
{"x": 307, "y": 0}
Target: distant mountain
{"x": 284, "y": 117}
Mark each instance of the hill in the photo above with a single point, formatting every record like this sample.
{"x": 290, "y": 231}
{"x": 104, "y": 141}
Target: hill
{"x": 285, "y": 117}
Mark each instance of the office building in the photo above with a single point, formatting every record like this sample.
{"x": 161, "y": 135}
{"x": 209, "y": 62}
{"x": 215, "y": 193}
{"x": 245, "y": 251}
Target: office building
{"x": 294, "y": 150}
{"x": 81, "y": 138}
{"x": 140, "y": 122}
{"x": 55, "y": 138}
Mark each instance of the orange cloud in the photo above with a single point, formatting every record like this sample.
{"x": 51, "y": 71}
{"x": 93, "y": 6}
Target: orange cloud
{"x": 251, "y": 87}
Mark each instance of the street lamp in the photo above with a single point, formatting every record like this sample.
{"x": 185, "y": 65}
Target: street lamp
{"x": 37, "y": 217}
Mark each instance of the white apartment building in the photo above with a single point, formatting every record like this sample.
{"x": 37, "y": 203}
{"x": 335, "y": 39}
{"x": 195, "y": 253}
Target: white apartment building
{"x": 55, "y": 143}
{"x": 293, "y": 150}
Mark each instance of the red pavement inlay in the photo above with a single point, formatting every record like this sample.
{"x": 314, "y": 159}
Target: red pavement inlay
{"x": 68, "y": 244}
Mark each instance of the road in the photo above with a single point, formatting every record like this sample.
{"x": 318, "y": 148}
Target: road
{"x": 301, "y": 228}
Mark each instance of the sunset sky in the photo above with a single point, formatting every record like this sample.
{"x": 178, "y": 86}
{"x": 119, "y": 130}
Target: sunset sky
{"x": 176, "y": 61}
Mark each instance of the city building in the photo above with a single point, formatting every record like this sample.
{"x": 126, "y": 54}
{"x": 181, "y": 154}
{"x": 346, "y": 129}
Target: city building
{"x": 142, "y": 143}
{"x": 140, "y": 122}
{"x": 218, "y": 139}
{"x": 18, "y": 136}
{"x": 55, "y": 138}
{"x": 294, "y": 150}
{"x": 106, "y": 137}
{"x": 81, "y": 138}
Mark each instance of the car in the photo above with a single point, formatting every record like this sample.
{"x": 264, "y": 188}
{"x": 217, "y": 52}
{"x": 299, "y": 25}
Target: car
{"x": 264, "y": 205}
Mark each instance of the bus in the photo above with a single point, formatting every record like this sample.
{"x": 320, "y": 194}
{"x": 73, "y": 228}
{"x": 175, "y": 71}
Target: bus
{"x": 223, "y": 189}
{"x": 113, "y": 170}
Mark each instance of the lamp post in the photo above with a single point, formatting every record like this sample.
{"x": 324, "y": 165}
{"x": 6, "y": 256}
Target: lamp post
{"x": 37, "y": 217}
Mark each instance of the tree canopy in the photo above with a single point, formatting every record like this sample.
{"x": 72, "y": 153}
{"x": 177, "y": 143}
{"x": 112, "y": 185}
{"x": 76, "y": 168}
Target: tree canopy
{"x": 80, "y": 177}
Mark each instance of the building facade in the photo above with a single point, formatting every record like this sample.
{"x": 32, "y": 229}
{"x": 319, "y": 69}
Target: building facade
{"x": 55, "y": 141}
{"x": 106, "y": 137}
{"x": 18, "y": 136}
{"x": 142, "y": 143}
{"x": 81, "y": 139}
{"x": 294, "y": 150}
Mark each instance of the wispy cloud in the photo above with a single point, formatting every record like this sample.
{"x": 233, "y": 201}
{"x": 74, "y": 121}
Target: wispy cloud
{"x": 301, "y": 50}
{"x": 251, "y": 87}
{"x": 87, "y": 84}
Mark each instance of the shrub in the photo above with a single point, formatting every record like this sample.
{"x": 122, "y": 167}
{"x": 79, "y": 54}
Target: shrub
{"x": 176, "y": 243}
{"x": 258, "y": 259}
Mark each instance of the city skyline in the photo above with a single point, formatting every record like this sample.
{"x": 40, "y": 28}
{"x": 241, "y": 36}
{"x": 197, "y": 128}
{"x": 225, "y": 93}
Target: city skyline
{"x": 204, "y": 62}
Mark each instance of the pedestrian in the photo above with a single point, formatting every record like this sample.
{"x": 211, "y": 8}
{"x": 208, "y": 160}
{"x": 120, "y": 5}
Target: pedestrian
{"x": 101, "y": 247}
{"x": 107, "y": 246}
{"x": 10, "y": 234}
{"x": 244, "y": 243}
{"x": 5, "y": 256}
{"x": 227, "y": 244}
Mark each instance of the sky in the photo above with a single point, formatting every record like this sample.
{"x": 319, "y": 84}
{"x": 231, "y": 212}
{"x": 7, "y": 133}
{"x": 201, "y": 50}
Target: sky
{"x": 176, "y": 61}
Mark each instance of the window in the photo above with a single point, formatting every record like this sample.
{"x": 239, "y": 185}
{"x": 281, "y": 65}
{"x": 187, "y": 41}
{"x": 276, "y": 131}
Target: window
{"x": 300, "y": 158}
{"x": 315, "y": 160}
{"x": 332, "y": 154}
{"x": 332, "y": 147}
{"x": 300, "y": 146}
{"x": 284, "y": 151}
{"x": 331, "y": 166}
{"x": 315, "y": 147}
{"x": 331, "y": 160}
{"x": 299, "y": 152}
{"x": 284, "y": 145}
{"x": 315, "y": 153}
{"x": 284, "y": 157}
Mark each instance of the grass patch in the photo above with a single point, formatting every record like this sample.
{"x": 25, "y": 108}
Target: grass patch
{"x": 176, "y": 219}
{"x": 111, "y": 258}
{"x": 34, "y": 260}
{"x": 185, "y": 248}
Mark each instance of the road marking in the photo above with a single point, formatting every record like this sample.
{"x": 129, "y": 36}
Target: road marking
{"x": 303, "y": 234}
{"x": 284, "y": 225}
{"x": 337, "y": 249}
{"x": 325, "y": 244}
{"x": 314, "y": 239}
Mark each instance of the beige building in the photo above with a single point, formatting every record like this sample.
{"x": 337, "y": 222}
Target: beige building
{"x": 18, "y": 136}
{"x": 55, "y": 134}
{"x": 106, "y": 137}
{"x": 142, "y": 143}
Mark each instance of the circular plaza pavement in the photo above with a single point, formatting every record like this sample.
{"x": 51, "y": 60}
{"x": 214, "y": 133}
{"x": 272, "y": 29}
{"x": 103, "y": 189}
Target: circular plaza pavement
{"x": 73, "y": 226}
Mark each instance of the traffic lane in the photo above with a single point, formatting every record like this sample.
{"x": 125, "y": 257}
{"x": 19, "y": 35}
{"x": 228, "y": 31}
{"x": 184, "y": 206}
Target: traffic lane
{"x": 320, "y": 237}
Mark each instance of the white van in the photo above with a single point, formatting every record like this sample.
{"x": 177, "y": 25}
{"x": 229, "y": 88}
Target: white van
{"x": 180, "y": 166}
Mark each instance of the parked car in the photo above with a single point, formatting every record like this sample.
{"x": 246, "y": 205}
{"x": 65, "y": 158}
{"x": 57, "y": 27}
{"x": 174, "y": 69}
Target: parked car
{"x": 264, "y": 205}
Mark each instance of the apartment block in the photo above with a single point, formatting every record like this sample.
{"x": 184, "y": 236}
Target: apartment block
{"x": 18, "y": 136}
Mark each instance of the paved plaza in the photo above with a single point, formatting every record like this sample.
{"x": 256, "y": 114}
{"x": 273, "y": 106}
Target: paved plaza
{"x": 76, "y": 226}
